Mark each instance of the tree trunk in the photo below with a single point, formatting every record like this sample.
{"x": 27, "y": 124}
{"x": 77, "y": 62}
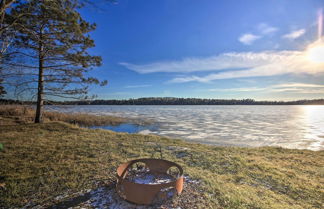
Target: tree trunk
{"x": 40, "y": 89}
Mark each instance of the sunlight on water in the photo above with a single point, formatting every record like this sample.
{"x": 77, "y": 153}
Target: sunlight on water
{"x": 314, "y": 121}
{"x": 299, "y": 127}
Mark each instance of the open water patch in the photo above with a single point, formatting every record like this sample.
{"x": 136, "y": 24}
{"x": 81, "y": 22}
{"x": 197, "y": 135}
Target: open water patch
{"x": 129, "y": 128}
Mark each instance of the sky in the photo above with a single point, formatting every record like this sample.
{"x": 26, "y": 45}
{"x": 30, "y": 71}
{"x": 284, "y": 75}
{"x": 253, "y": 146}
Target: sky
{"x": 226, "y": 49}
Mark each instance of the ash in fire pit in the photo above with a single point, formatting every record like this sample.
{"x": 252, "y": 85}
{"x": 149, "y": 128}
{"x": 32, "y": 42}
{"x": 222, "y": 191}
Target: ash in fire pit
{"x": 144, "y": 176}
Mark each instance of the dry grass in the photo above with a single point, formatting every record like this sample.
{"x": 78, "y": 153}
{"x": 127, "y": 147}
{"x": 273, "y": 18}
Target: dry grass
{"x": 41, "y": 161}
{"x": 25, "y": 114}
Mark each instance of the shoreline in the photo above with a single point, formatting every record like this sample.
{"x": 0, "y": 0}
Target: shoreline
{"x": 174, "y": 101}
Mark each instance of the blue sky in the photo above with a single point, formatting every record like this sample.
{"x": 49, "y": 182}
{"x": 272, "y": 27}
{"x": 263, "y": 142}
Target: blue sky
{"x": 207, "y": 49}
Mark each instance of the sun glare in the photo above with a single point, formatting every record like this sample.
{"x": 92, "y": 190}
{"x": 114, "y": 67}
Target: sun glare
{"x": 315, "y": 53}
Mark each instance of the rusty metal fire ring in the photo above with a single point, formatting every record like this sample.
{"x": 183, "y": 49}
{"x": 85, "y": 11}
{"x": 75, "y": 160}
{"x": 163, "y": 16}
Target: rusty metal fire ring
{"x": 148, "y": 193}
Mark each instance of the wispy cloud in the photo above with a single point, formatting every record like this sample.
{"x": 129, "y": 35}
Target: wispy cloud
{"x": 302, "y": 88}
{"x": 298, "y": 85}
{"x": 248, "y": 38}
{"x": 305, "y": 88}
{"x": 265, "y": 29}
{"x": 299, "y": 90}
{"x": 294, "y": 34}
{"x": 115, "y": 93}
{"x": 286, "y": 90}
{"x": 311, "y": 91}
{"x": 266, "y": 64}
{"x": 248, "y": 89}
{"x": 137, "y": 86}
{"x": 213, "y": 63}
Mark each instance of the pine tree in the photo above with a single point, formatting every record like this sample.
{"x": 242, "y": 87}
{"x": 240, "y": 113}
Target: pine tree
{"x": 51, "y": 46}
{"x": 4, "y": 35}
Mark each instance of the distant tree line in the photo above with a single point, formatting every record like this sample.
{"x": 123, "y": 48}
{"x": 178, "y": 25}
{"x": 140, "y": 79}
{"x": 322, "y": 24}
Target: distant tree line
{"x": 172, "y": 101}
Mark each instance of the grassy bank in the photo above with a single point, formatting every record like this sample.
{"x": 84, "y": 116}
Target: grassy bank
{"x": 40, "y": 162}
{"x": 17, "y": 114}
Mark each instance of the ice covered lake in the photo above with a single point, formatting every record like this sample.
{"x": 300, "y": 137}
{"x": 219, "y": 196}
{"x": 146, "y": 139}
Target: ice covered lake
{"x": 299, "y": 127}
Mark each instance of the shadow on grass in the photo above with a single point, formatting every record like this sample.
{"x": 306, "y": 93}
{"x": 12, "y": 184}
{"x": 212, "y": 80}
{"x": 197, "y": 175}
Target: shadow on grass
{"x": 71, "y": 202}
{"x": 104, "y": 197}
{"x": 101, "y": 197}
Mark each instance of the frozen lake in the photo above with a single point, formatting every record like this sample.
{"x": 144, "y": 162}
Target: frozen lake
{"x": 299, "y": 127}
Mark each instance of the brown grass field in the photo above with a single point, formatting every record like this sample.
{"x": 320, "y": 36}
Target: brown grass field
{"x": 17, "y": 114}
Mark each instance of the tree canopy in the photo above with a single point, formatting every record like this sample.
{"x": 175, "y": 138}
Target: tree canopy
{"x": 51, "y": 50}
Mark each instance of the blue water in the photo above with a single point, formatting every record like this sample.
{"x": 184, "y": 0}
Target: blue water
{"x": 127, "y": 128}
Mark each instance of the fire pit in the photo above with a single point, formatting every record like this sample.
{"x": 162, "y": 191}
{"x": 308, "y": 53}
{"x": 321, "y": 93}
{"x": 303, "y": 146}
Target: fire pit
{"x": 147, "y": 181}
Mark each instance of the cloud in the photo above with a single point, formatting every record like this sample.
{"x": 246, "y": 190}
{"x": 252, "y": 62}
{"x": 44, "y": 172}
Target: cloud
{"x": 116, "y": 93}
{"x": 286, "y": 90}
{"x": 299, "y": 90}
{"x": 268, "y": 63}
{"x": 305, "y": 88}
{"x": 311, "y": 91}
{"x": 212, "y": 63}
{"x": 248, "y": 38}
{"x": 137, "y": 86}
{"x": 265, "y": 29}
{"x": 296, "y": 85}
{"x": 294, "y": 34}
{"x": 249, "y": 89}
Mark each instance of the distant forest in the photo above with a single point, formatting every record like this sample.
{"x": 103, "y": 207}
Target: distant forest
{"x": 171, "y": 101}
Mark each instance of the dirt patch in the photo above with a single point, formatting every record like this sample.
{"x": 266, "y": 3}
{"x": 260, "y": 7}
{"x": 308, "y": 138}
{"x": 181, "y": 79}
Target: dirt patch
{"x": 105, "y": 197}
